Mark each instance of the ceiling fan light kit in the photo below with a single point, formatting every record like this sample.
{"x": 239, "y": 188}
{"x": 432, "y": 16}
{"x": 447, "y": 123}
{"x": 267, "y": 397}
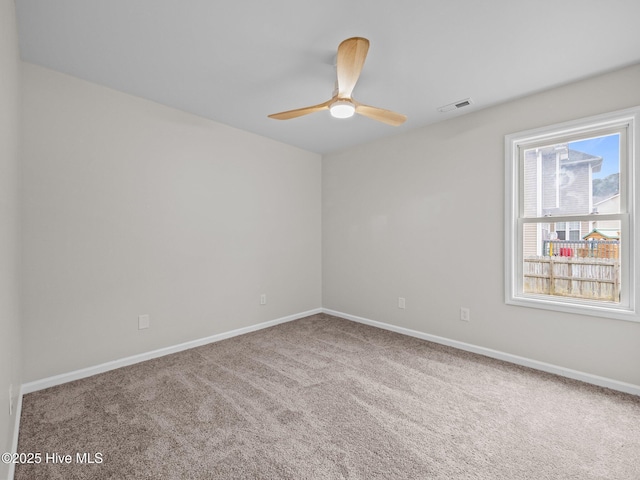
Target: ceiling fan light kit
{"x": 342, "y": 109}
{"x": 352, "y": 53}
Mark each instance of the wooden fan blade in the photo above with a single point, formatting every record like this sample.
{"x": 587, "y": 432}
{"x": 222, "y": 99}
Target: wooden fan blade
{"x": 299, "y": 112}
{"x": 381, "y": 115}
{"x": 351, "y": 56}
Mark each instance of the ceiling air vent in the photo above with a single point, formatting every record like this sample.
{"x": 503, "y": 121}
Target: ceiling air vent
{"x": 455, "y": 105}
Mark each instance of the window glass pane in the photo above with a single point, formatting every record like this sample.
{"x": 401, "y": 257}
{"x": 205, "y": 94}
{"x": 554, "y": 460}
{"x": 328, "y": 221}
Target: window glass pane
{"x": 606, "y": 180}
{"x": 575, "y": 178}
{"x": 586, "y": 267}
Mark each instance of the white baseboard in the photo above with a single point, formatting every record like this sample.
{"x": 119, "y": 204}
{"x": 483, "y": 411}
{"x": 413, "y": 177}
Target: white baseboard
{"x": 507, "y": 357}
{"x": 36, "y": 385}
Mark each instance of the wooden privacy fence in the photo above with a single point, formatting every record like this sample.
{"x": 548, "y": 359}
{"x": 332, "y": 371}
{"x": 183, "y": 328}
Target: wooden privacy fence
{"x": 573, "y": 276}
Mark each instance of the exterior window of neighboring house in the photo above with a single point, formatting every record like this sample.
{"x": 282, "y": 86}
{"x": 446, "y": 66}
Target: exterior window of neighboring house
{"x": 570, "y": 216}
{"x": 572, "y": 234}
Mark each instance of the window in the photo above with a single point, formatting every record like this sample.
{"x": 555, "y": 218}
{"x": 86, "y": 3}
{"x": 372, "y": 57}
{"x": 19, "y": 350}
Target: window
{"x": 570, "y": 216}
{"x": 572, "y": 234}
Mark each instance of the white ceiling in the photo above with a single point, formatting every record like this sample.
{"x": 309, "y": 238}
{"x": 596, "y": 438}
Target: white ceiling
{"x": 236, "y": 61}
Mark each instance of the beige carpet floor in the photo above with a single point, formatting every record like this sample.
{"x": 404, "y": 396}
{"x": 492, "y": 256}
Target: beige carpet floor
{"x": 325, "y": 398}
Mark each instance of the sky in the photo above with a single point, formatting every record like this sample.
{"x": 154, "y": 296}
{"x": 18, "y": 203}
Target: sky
{"x": 607, "y": 147}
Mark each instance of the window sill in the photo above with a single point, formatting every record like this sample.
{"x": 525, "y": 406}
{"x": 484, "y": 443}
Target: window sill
{"x": 577, "y": 306}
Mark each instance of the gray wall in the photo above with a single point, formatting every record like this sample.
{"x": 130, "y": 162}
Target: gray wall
{"x": 420, "y": 216}
{"x": 130, "y": 208}
{"x": 10, "y": 364}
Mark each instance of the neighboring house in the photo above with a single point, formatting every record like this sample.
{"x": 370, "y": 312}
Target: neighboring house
{"x": 608, "y": 205}
{"x": 558, "y": 181}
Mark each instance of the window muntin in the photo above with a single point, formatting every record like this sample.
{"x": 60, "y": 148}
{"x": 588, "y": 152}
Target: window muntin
{"x": 570, "y": 207}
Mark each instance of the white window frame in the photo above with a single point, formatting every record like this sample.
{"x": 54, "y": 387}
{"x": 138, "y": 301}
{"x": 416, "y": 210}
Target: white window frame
{"x": 627, "y": 120}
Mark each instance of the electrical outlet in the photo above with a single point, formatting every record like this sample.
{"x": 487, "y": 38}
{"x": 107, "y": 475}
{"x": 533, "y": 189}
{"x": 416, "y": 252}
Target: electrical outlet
{"x": 401, "y": 303}
{"x": 143, "y": 321}
{"x": 465, "y": 314}
{"x": 263, "y": 299}
{"x": 10, "y": 399}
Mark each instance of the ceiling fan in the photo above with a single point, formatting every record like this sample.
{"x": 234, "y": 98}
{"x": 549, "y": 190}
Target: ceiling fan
{"x": 352, "y": 53}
